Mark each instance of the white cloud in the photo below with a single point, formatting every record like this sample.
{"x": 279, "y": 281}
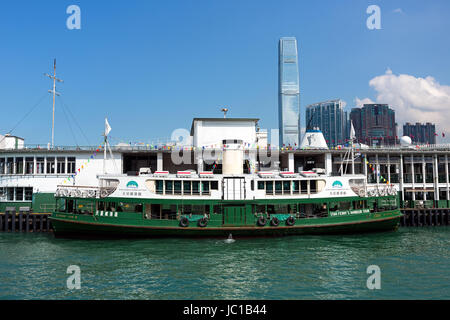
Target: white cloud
{"x": 360, "y": 102}
{"x": 398, "y": 10}
{"x": 414, "y": 99}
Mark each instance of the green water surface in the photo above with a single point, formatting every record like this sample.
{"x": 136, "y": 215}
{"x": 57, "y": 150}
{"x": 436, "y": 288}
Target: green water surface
{"x": 414, "y": 264}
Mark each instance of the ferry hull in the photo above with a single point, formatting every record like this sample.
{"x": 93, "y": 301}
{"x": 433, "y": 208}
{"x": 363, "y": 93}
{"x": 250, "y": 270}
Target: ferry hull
{"x": 68, "y": 228}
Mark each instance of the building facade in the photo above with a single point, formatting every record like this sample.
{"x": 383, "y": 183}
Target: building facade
{"x": 288, "y": 93}
{"x": 420, "y": 133}
{"x": 374, "y": 124}
{"x": 331, "y": 119}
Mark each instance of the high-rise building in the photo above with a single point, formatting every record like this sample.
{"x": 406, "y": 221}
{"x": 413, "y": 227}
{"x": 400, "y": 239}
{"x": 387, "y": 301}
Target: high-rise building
{"x": 330, "y": 117}
{"x": 288, "y": 93}
{"x": 374, "y": 124}
{"x": 420, "y": 133}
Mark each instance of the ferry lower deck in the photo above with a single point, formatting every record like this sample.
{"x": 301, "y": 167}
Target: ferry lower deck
{"x": 174, "y": 217}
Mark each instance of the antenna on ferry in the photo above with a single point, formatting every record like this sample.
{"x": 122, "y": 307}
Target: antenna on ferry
{"x": 224, "y": 110}
{"x": 54, "y": 78}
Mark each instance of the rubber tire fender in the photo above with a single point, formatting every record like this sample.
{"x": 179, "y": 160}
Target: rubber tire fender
{"x": 202, "y": 222}
{"x": 290, "y": 221}
{"x": 261, "y": 221}
{"x": 184, "y": 222}
{"x": 274, "y": 222}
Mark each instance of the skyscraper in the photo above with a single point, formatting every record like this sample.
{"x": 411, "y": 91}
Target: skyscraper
{"x": 288, "y": 93}
{"x": 420, "y": 133}
{"x": 330, "y": 117}
{"x": 374, "y": 124}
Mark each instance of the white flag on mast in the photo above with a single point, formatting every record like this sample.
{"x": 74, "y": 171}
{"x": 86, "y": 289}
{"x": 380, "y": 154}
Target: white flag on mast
{"x": 107, "y": 127}
{"x": 352, "y": 131}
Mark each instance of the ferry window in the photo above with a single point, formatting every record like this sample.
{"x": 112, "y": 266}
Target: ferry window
{"x": 195, "y": 187}
{"x": 50, "y": 165}
{"x": 313, "y": 186}
{"x": 359, "y": 204}
{"x": 111, "y": 206}
{"x": 61, "y": 205}
{"x": 88, "y": 208}
{"x": 100, "y": 206}
{"x": 217, "y": 209}
{"x": 19, "y": 165}
{"x": 281, "y": 208}
{"x": 177, "y": 186}
{"x": 70, "y": 205}
{"x": 2, "y": 165}
{"x": 334, "y": 206}
{"x": 129, "y": 207}
{"x": 29, "y": 165}
{"x": 295, "y": 186}
{"x": 187, "y": 187}
{"x": 186, "y": 209}
{"x": 287, "y": 187}
{"x": 344, "y": 205}
{"x": 29, "y": 194}
{"x": 261, "y": 185}
{"x": 214, "y": 185}
{"x": 169, "y": 186}
{"x": 270, "y": 208}
{"x": 10, "y": 194}
{"x": 200, "y": 209}
{"x": 320, "y": 210}
{"x": 302, "y": 209}
{"x": 169, "y": 211}
{"x": 292, "y": 208}
{"x": 269, "y": 187}
{"x": 60, "y": 165}
{"x": 304, "y": 186}
{"x": 159, "y": 186}
{"x": 71, "y": 165}
{"x": 252, "y": 185}
{"x": 156, "y": 211}
{"x": 138, "y": 208}
{"x": 260, "y": 208}
{"x": 40, "y": 165}
{"x": 205, "y": 187}
{"x": 9, "y": 165}
{"x": 278, "y": 188}
{"x": 19, "y": 194}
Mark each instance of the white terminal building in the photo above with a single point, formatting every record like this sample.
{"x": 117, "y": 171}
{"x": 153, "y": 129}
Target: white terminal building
{"x": 29, "y": 175}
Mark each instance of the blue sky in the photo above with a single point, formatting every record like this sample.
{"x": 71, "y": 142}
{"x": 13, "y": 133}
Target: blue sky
{"x": 151, "y": 66}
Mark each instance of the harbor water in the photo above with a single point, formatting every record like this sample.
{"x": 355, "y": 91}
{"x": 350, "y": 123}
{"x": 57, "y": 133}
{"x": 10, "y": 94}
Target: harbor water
{"x": 414, "y": 264}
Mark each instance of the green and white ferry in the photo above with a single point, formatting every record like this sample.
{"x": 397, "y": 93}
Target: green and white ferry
{"x": 202, "y": 203}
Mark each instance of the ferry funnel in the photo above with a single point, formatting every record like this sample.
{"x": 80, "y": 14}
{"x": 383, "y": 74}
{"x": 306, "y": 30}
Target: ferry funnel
{"x": 233, "y": 155}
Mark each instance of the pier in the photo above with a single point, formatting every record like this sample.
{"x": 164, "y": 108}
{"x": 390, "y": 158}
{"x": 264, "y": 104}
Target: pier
{"x": 25, "y": 222}
{"x": 425, "y": 217}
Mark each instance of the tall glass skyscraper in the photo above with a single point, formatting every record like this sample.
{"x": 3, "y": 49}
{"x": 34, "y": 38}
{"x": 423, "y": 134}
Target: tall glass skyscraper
{"x": 332, "y": 120}
{"x": 288, "y": 93}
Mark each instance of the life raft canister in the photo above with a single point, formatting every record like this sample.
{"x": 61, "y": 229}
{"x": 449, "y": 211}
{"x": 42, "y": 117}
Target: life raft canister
{"x": 184, "y": 222}
{"x": 290, "y": 221}
{"x": 202, "y": 222}
{"x": 262, "y": 221}
{"x": 274, "y": 222}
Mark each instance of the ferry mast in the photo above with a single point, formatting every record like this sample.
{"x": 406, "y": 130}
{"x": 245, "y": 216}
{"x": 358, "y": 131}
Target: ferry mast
{"x": 54, "y": 94}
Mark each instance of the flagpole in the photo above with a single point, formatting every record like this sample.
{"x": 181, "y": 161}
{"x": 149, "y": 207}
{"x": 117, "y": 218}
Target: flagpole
{"x": 104, "y": 146}
{"x": 352, "y": 137}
